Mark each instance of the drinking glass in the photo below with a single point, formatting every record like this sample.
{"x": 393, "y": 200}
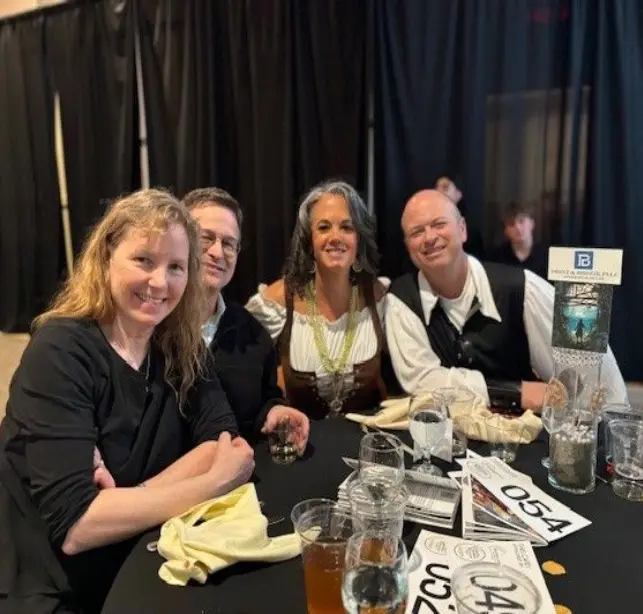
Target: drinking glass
{"x": 489, "y": 587}
{"x": 374, "y": 511}
{"x": 572, "y": 451}
{"x": 376, "y": 577}
{"x": 616, "y": 411}
{"x": 324, "y": 530}
{"x": 282, "y": 450}
{"x": 427, "y": 425}
{"x": 627, "y": 448}
{"x": 504, "y": 435}
{"x": 459, "y": 403}
{"x": 381, "y": 460}
{"x": 547, "y": 415}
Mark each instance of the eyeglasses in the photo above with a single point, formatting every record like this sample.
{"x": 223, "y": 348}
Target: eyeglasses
{"x": 229, "y": 245}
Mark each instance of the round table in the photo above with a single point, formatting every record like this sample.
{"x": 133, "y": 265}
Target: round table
{"x": 601, "y": 561}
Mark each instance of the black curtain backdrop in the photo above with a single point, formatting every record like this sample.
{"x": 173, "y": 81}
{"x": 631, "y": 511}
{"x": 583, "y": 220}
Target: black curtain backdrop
{"x": 614, "y": 216}
{"x": 30, "y": 226}
{"x": 90, "y": 54}
{"x": 263, "y": 99}
{"x": 532, "y": 100}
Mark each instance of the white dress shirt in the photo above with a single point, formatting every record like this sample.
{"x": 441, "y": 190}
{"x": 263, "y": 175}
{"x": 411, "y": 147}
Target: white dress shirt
{"x": 417, "y": 366}
{"x": 209, "y": 328}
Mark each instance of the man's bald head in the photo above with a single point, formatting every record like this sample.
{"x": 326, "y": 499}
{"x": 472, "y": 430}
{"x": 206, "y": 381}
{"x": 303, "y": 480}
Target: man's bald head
{"x": 432, "y": 201}
{"x": 434, "y": 231}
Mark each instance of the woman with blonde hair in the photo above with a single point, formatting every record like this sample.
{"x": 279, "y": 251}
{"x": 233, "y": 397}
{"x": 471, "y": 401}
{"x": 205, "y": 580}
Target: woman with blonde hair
{"x": 326, "y": 313}
{"x": 116, "y": 365}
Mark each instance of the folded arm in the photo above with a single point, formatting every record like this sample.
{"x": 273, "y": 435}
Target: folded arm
{"x": 52, "y": 400}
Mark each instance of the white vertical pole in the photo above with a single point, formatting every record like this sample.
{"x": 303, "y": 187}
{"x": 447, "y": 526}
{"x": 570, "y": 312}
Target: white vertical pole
{"x": 142, "y": 117}
{"x": 62, "y": 183}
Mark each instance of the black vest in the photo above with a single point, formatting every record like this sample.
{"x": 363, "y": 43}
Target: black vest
{"x": 499, "y": 350}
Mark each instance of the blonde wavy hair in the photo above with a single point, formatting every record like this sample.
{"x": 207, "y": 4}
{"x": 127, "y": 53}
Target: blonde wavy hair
{"x": 87, "y": 292}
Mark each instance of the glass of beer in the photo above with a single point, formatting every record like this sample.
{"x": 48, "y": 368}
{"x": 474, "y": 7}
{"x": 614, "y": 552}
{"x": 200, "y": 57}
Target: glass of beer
{"x": 324, "y": 530}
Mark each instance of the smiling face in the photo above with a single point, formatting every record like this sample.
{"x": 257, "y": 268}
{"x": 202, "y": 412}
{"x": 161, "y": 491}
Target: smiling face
{"x": 334, "y": 237}
{"x": 148, "y": 274}
{"x": 434, "y": 231}
{"x": 219, "y": 233}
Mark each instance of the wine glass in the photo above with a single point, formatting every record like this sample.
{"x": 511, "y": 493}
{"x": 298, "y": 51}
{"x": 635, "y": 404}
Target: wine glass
{"x": 459, "y": 403}
{"x": 427, "y": 425}
{"x": 376, "y": 576}
{"x": 547, "y": 417}
{"x": 381, "y": 460}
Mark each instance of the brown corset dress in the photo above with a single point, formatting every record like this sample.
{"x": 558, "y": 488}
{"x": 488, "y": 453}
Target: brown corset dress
{"x": 363, "y": 387}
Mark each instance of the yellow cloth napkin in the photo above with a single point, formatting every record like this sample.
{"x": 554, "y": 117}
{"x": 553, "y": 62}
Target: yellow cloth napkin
{"x": 471, "y": 417}
{"x": 230, "y": 528}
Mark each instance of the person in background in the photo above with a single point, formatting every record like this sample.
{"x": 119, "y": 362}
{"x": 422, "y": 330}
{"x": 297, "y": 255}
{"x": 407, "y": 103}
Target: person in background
{"x": 519, "y": 248}
{"x": 114, "y": 424}
{"x": 245, "y": 357}
{"x": 458, "y": 322}
{"x": 326, "y": 312}
{"x": 451, "y": 186}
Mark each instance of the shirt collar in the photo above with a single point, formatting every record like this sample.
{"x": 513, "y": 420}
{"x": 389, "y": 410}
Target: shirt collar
{"x": 482, "y": 291}
{"x": 210, "y": 326}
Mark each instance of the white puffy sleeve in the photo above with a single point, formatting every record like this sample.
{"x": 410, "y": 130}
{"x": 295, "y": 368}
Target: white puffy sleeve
{"x": 416, "y": 365}
{"x": 270, "y": 314}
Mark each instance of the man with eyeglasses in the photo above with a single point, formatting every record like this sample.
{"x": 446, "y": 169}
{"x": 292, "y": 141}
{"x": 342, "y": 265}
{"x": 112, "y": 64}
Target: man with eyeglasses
{"x": 244, "y": 356}
{"x": 459, "y": 322}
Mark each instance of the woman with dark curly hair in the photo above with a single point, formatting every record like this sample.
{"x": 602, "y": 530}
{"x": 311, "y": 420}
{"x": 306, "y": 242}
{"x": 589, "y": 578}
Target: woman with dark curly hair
{"x": 326, "y": 312}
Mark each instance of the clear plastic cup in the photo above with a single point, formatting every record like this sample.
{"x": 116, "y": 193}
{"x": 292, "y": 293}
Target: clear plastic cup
{"x": 324, "y": 530}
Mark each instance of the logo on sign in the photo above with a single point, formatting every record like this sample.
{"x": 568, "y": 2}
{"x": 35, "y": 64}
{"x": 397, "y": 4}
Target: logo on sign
{"x": 583, "y": 260}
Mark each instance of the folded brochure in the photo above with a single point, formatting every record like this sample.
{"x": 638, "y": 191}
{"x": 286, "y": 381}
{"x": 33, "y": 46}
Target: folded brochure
{"x": 432, "y": 500}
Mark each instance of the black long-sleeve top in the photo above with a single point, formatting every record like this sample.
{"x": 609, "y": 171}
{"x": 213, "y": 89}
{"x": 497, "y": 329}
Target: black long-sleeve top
{"x": 246, "y": 364}
{"x": 71, "y": 393}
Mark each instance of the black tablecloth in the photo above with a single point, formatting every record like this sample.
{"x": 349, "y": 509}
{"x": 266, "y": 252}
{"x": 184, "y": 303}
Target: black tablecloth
{"x": 603, "y": 561}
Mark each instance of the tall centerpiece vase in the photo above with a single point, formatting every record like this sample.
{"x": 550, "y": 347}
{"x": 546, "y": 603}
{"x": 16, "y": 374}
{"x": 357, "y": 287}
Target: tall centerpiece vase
{"x": 573, "y": 435}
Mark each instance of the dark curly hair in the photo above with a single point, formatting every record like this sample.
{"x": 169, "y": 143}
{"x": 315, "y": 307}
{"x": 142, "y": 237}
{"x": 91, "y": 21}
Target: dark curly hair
{"x": 299, "y": 268}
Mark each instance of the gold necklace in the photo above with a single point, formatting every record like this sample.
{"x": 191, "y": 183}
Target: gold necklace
{"x": 332, "y": 366}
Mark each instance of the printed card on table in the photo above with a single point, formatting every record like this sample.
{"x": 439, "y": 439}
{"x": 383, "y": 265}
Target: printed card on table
{"x": 435, "y": 557}
{"x": 545, "y": 515}
{"x": 517, "y": 555}
{"x": 430, "y": 575}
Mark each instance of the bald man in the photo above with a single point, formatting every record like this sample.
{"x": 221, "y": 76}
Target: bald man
{"x": 459, "y": 322}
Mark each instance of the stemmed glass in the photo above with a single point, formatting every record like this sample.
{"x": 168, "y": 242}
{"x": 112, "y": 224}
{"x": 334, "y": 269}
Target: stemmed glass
{"x": 427, "y": 424}
{"x": 547, "y": 417}
{"x": 376, "y": 576}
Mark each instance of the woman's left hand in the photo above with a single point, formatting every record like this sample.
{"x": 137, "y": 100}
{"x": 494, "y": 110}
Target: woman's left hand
{"x": 299, "y": 423}
{"x": 102, "y": 477}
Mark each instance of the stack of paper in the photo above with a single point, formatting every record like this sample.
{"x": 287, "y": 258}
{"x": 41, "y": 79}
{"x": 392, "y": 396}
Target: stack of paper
{"x": 436, "y": 557}
{"x": 432, "y": 500}
{"x": 499, "y": 503}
